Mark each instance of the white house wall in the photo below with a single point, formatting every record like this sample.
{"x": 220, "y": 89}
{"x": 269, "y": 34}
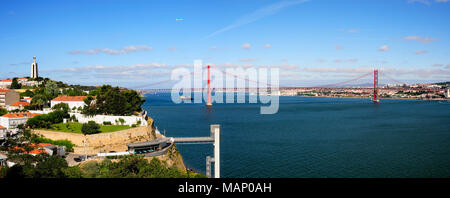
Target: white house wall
{"x": 99, "y": 119}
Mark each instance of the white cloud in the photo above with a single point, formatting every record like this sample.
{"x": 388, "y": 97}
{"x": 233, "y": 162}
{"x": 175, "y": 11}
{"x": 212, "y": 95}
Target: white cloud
{"x": 248, "y": 59}
{"x": 421, "y": 52}
{"x": 267, "y": 46}
{"x": 256, "y": 15}
{"x": 420, "y": 39}
{"x": 246, "y": 46}
{"x": 179, "y": 19}
{"x": 426, "y": 2}
{"x": 351, "y": 60}
{"x": 123, "y": 50}
{"x": 383, "y": 48}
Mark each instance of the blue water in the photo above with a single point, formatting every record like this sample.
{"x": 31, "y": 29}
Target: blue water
{"x": 315, "y": 137}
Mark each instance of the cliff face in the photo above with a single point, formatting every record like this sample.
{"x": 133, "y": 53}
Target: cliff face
{"x": 103, "y": 142}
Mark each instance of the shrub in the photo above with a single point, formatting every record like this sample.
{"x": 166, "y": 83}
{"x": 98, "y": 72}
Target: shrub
{"x": 107, "y": 123}
{"x": 90, "y": 128}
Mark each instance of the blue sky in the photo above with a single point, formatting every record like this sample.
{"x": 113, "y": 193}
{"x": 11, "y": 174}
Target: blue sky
{"x": 130, "y": 43}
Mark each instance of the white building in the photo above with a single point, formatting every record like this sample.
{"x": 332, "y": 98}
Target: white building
{"x": 2, "y": 132}
{"x": 20, "y": 105}
{"x": 5, "y": 83}
{"x": 72, "y": 101}
{"x": 114, "y": 120}
{"x": 12, "y": 120}
{"x": 447, "y": 93}
{"x": 27, "y": 99}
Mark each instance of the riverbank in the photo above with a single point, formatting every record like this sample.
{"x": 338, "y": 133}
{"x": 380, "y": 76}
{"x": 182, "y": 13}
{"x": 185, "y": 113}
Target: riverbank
{"x": 394, "y": 98}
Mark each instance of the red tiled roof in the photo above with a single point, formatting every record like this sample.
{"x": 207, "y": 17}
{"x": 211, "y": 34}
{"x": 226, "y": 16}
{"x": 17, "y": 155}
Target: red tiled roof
{"x": 37, "y": 148}
{"x": 20, "y": 103}
{"x": 20, "y": 115}
{"x": 70, "y": 98}
{"x": 2, "y": 127}
{"x": 4, "y": 90}
{"x": 7, "y": 80}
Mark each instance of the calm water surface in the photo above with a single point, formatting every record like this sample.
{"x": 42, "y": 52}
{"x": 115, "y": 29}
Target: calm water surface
{"x": 315, "y": 137}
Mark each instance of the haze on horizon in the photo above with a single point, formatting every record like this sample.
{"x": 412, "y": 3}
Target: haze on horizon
{"x": 313, "y": 42}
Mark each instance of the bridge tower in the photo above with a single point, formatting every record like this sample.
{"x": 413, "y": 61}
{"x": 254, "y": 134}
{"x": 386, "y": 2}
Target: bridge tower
{"x": 208, "y": 102}
{"x": 375, "y": 86}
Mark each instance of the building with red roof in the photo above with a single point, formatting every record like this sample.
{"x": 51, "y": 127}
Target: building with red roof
{"x": 73, "y": 101}
{"x": 17, "y": 105}
{"x": 12, "y": 120}
{"x": 40, "y": 148}
{"x": 5, "y": 83}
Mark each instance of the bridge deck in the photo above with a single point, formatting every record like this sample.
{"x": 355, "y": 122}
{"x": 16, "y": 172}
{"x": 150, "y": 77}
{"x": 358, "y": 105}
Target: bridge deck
{"x": 192, "y": 139}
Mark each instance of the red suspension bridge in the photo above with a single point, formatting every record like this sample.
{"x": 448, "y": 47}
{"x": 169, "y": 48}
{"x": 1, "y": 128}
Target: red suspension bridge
{"x": 149, "y": 88}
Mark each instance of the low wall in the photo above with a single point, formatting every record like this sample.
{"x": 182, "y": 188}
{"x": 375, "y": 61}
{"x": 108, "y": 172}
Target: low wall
{"x": 102, "y": 142}
{"x": 99, "y": 119}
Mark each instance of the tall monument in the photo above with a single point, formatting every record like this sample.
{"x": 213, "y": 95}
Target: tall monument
{"x": 34, "y": 69}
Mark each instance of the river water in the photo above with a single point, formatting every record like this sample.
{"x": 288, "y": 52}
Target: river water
{"x": 314, "y": 137}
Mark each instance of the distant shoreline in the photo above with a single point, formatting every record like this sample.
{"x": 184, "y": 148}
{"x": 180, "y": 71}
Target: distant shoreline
{"x": 392, "y": 98}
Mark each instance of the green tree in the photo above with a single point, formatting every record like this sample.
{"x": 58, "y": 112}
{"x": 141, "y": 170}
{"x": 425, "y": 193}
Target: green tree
{"x": 3, "y": 111}
{"x": 38, "y": 102}
{"x": 61, "y": 106}
{"x": 51, "y": 89}
{"x": 15, "y": 84}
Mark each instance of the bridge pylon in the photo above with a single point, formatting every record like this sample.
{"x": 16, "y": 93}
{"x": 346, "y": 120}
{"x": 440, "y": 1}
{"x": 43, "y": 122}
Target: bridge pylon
{"x": 375, "y": 86}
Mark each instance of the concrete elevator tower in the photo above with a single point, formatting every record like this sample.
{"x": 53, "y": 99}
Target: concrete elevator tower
{"x": 34, "y": 68}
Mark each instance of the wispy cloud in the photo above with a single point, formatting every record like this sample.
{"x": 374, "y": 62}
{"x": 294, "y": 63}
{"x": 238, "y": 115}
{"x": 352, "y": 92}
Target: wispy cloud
{"x": 426, "y": 2}
{"x": 351, "y": 60}
{"x": 267, "y": 46}
{"x": 248, "y": 59}
{"x": 257, "y": 15}
{"x": 123, "y": 50}
{"x": 383, "y": 48}
{"x": 21, "y": 63}
{"x": 393, "y": 71}
{"x": 246, "y": 46}
{"x": 420, "y": 39}
{"x": 421, "y": 52}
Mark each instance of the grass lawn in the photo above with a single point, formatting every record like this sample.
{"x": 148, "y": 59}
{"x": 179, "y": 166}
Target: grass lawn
{"x": 75, "y": 127}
